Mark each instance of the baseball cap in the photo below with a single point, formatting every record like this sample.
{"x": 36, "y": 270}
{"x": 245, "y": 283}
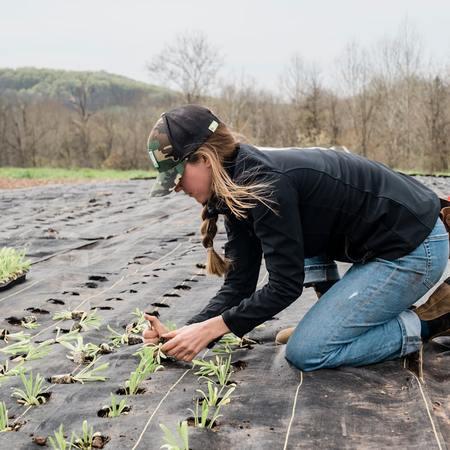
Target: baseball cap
{"x": 173, "y": 138}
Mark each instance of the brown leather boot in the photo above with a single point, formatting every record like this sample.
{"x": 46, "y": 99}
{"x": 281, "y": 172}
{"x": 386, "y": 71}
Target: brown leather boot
{"x": 436, "y": 311}
{"x": 437, "y": 305}
{"x": 283, "y": 336}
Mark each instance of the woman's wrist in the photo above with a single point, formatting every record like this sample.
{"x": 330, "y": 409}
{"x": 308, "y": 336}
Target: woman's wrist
{"x": 217, "y": 327}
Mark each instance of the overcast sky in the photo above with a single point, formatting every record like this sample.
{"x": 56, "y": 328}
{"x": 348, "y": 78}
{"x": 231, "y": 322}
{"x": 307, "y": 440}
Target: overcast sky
{"x": 257, "y": 37}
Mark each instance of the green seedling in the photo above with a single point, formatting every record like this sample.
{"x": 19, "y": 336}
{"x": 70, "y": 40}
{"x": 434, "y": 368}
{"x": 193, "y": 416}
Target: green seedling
{"x": 62, "y": 315}
{"x": 66, "y": 337}
{"x": 201, "y": 414}
{"x": 31, "y": 394}
{"x": 84, "y": 442}
{"x": 6, "y": 336}
{"x": 30, "y": 325}
{"x": 27, "y": 351}
{"x": 88, "y": 374}
{"x": 230, "y": 341}
{"x": 152, "y": 352}
{"x": 220, "y": 369}
{"x": 172, "y": 440}
{"x": 12, "y": 264}
{"x": 4, "y": 421}
{"x": 139, "y": 326}
{"x": 80, "y": 352}
{"x": 215, "y": 397}
{"x": 6, "y": 372}
{"x": 88, "y": 321}
{"x": 58, "y": 442}
{"x": 84, "y": 376}
{"x": 144, "y": 369}
{"x": 118, "y": 339}
{"x": 116, "y": 409}
{"x": 29, "y": 322}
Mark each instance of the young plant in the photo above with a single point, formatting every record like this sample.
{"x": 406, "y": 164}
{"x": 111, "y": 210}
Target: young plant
{"x": 6, "y": 372}
{"x": 88, "y": 321}
{"x": 80, "y": 352}
{"x": 66, "y": 337}
{"x": 12, "y": 264}
{"x": 30, "y": 322}
{"x": 27, "y": 351}
{"x": 215, "y": 397}
{"x": 220, "y": 369}
{"x": 118, "y": 339}
{"x": 152, "y": 352}
{"x": 59, "y": 441}
{"x": 145, "y": 367}
{"x": 116, "y": 409}
{"x": 172, "y": 440}
{"x": 83, "y": 442}
{"x": 138, "y": 326}
{"x": 6, "y": 336}
{"x": 4, "y": 421}
{"x": 200, "y": 420}
{"x": 88, "y": 374}
{"x": 31, "y": 394}
{"x": 62, "y": 315}
{"x": 230, "y": 341}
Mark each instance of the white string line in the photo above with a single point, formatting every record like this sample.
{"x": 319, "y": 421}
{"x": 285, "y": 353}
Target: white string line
{"x": 293, "y": 411}
{"x": 428, "y": 410}
{"x": 159, "y": 405}
{"x": 22, "y": 290}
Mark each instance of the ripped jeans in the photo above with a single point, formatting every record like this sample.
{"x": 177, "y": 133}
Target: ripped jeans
{"x": 364, "y": 317}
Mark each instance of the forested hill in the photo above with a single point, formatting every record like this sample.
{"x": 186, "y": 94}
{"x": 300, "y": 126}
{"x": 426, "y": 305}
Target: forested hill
{"x": 102, "y": 89}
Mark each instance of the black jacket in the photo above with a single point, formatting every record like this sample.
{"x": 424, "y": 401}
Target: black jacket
{"x": 329, "y": 202}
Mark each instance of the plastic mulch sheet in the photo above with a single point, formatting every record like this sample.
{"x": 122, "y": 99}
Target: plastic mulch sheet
{"x": 111, "y": 247}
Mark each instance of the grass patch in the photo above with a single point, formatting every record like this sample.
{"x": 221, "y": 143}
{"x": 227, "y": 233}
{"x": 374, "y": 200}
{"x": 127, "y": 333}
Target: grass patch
{"x": 53, "y": 173}
{"x": 12, "y": 264}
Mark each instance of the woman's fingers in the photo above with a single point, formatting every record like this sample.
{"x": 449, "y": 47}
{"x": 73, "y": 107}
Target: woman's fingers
{"x": 149, "y": 334}
{"x": 155, "y": 324}
{"x": 151, "y": 341}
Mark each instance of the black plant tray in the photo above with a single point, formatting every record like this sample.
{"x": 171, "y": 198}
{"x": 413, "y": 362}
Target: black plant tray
{"x": 10, "y": 284}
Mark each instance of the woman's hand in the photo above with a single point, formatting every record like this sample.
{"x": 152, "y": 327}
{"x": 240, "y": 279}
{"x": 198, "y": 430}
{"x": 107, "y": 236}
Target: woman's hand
{"x": 186, "y": 342}
{"x": 154, "y": 330}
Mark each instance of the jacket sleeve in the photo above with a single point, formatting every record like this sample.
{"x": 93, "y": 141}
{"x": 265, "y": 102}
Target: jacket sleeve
{"x": 241, "y": 280}
{"x": 281, "y": 239}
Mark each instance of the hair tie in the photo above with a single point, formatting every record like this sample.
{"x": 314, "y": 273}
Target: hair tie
{"x": 211, "y": 211}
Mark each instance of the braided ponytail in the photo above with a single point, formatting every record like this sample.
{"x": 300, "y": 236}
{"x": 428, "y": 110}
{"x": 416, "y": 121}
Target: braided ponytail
{"x": 215, "y": 264}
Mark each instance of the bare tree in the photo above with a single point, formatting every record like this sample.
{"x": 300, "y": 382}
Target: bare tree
{"x": 190, "y": 64}
{"x": 301, "y": 84}
{"x": 79, "y": 98}
{"x": 361, "y": 100}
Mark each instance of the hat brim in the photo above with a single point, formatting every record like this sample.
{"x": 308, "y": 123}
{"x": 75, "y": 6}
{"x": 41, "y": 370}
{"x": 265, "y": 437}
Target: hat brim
{"x": 166, "y": 181}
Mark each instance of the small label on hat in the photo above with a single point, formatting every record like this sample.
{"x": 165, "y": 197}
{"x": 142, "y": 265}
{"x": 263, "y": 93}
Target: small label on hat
{"x": 152, "y": 157}
{"x": 213, "y": 126}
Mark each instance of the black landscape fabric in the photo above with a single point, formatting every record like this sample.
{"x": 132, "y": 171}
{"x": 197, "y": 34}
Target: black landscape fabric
{"x": 111, "y": 247}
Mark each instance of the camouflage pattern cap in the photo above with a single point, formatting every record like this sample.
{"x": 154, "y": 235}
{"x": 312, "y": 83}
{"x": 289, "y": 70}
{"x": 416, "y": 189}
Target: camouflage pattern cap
{"x": 175, "y": 136}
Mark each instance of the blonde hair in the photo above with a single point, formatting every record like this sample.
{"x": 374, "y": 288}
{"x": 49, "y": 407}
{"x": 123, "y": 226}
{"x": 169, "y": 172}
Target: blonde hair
{"x": 239, "y": 198}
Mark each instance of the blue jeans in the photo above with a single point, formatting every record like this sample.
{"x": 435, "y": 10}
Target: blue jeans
{"x": 364, "y": 317}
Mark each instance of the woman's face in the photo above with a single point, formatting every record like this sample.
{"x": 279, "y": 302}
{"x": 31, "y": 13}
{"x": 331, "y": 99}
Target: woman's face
{"x": 196, "y": 180}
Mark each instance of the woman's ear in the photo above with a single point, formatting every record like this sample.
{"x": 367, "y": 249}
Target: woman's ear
{"x": 206, "y": 161}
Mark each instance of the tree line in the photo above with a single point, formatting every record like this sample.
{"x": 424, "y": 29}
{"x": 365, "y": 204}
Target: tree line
{"x": 387, "y": 102}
